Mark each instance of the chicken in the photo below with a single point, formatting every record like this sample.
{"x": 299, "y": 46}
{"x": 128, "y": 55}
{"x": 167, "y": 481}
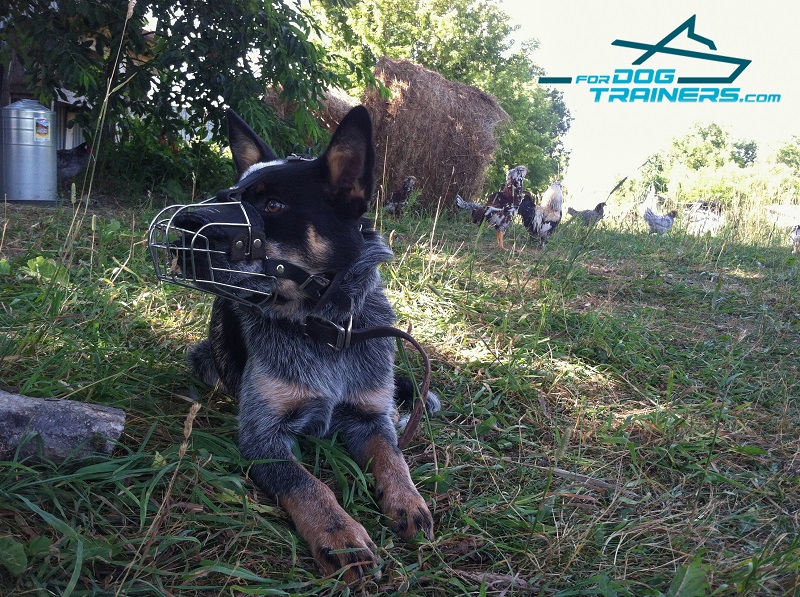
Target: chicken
{"x": 501, "y": 207}
{"x": 542, "y": 220}
{"x": 399, "y": 198}
{"x": 794, "y": 236}
{"x": 588, "y": 216}
{"x": 658, "y": 223}
{"x": 71, "y": 161}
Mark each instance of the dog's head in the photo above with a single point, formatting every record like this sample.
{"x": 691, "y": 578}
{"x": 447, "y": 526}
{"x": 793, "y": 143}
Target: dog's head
{"x": 304, "y": 213}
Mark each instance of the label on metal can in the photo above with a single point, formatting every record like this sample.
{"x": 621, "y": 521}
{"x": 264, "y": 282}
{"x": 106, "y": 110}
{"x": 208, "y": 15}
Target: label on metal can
{"x": 42, "y": 129}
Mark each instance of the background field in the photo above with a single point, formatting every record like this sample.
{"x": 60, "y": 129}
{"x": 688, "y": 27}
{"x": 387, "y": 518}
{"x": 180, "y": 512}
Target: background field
{"x": 621, "y": 417}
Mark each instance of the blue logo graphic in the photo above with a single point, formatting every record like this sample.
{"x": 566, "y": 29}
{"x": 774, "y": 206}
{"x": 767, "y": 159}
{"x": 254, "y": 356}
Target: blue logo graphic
{"x": 647, "y": 85}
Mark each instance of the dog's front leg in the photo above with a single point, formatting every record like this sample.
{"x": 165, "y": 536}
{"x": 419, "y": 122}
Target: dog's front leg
{"x": 372, "y": 441}
{"x": 336, "y": 540}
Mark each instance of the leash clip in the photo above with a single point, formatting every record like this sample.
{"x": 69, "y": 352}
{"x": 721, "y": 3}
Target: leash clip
{"x": 322, "y": 330}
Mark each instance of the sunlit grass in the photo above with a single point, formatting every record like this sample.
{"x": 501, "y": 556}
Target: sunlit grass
{"x": 620, "y": 415}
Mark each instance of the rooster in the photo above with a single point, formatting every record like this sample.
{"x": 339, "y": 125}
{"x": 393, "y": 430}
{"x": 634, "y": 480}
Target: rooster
{"x": 794, "y": 236}
{"x": 588, "y": 216}
{"x": 501, "y": 207}
{"x": 71, "y": 161}
{"x": 542, "y": 220}
{"x": 398, "y": 199}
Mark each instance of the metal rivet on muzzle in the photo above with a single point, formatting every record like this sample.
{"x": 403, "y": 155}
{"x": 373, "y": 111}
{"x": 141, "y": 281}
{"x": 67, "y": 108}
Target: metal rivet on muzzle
{"x": 257, "y": 243}
{"x": 239, "y": 245}
{"x": 279, "y": 269}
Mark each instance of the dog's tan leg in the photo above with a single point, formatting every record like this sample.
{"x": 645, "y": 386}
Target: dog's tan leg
{"x": 397, "y": 496}
{"x": 336, "y": 540}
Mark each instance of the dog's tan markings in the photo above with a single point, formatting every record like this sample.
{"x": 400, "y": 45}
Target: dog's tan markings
{"x": 376, "y": 402}
{"x": 397, "y": 496}
{"x": 318, "y": 245}
{"x": 345, "y": 165}
{"x": 246, "y": 153}
{"x": 336, "y": 540}
{"x": 283, "y": 397}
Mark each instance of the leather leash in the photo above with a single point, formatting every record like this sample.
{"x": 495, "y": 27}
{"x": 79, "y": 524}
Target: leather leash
{"x": 340, "y": 337}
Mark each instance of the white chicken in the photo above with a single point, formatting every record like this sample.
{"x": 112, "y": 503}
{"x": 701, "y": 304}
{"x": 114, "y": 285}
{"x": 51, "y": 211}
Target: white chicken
{"x": 658, "y": 223}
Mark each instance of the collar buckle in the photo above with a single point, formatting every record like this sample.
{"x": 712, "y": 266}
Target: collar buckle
{"x": 322, "y": 330}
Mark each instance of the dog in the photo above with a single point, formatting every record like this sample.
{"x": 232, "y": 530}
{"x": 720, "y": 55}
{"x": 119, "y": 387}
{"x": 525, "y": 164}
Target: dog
{"x": 294, "y": 267}
{"x": 794, "y": 236}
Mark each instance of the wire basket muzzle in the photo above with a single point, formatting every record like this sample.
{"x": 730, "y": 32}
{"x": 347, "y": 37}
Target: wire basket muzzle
{"x": 215, "y": 247}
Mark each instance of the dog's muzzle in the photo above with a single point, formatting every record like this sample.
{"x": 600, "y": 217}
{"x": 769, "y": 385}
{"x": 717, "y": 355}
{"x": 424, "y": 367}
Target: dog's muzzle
{"x": 214, "y": 246}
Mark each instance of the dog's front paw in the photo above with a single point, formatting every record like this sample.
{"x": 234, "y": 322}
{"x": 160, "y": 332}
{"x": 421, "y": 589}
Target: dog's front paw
{"x": 409, "y": 513}
{"x": 343, "y": 544}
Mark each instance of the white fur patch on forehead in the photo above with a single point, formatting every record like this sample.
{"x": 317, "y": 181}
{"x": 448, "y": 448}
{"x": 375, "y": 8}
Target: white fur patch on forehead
{"x": 259, "y": 166}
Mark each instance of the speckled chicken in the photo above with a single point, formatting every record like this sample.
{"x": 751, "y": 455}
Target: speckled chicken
{"x": 542, "y": 220}
{"x": 588, "y": 216}
{"x": 659, "y": 223}
{"x": 794, "y": 236}
{"x": 501, "y": 207}
{"x": 398, "y": 200}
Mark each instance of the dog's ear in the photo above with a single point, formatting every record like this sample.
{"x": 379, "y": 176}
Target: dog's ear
{"x": 350, "y": 160}
{"x": 247, "y": 148}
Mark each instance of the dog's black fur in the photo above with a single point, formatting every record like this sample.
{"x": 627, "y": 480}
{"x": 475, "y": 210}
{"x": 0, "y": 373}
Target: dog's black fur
{"x": 288, "y": 384}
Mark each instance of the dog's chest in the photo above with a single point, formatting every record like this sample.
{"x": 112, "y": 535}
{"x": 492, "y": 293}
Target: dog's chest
{"x": 299, "y": 383}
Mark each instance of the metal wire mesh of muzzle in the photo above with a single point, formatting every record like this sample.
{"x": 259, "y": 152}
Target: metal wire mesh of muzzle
{"x": 215, "y": 247}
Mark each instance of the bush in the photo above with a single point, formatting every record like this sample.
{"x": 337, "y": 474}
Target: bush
{"x": 141, "y": 164}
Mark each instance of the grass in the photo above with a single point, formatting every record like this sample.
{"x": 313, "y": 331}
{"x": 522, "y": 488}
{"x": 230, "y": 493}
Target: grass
{"x": 621, "y": 418}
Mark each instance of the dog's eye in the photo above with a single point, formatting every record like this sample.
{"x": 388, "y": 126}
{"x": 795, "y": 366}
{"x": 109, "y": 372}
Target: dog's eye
{"x": 274, "y": 206}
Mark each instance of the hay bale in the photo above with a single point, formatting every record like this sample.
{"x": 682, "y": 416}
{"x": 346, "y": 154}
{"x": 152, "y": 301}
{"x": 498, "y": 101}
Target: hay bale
{"x": 439, "y": 131}
{"x": 335, "y": 105}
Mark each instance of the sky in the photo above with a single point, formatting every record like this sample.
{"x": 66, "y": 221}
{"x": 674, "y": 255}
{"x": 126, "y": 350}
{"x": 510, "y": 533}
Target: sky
{"x": 609, "y": 140}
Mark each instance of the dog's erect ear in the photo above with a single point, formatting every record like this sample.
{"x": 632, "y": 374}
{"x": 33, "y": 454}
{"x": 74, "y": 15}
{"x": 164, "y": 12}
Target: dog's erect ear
{"x": 350, "y": 159}
{"x": 247, "y": 148}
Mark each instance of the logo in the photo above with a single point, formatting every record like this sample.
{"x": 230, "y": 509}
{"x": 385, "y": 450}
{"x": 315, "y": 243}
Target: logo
{"x": 628, "y": 85}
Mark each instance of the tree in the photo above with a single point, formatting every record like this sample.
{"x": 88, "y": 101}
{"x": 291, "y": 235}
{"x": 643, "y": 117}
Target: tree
{"x": 789, "y": 155}
{"x": 744, "y": 153}
{"x": 468, "y": 41}
{"x": 176, "y": 64}
{"x": 703, "y": 146}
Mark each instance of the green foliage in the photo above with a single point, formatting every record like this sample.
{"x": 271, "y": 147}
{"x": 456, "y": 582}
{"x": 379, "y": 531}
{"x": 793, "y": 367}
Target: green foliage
{"x": 704, "y": 145}
{"x": 789, "y": 155}
{"x": 142, "y": 164}
{"x": 705, "y": 164}
{"x": 196, "y": 59}
{"x": 12, "y": 556}
{"x": 744, "y": 153}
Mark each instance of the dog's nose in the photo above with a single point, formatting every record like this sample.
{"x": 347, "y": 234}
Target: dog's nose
{"x": 234, "y": 228}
